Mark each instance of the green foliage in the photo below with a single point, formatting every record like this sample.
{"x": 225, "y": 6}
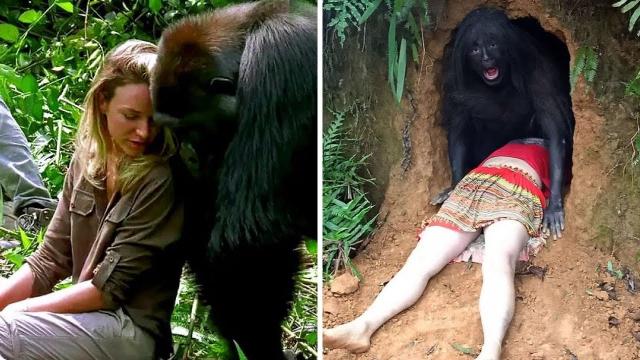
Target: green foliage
{"x": 586, "y": 64}
{"x": 346, "y": 209}
{"x": 412, "y": 15}
{"x": 300, "y": 327}
{"x": 618, "y": 273}
{"x": 28, "y": 244}
{"x": 406, "y": 20}
{"x": 195, "y": 337}
{"x": 189, "y": 318}
{"x": 627, "y": 6}
{"x": 633, "y": 87}
{"x": 345, "y": 14}
{"x": 9, "y": 33}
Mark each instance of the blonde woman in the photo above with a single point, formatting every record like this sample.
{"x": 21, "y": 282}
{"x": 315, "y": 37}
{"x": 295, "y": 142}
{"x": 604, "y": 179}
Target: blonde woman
{"x": 115, "y": 233}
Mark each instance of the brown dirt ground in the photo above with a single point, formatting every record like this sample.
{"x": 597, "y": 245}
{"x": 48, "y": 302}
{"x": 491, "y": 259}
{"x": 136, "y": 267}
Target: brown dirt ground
{"x": 553, "y": 316}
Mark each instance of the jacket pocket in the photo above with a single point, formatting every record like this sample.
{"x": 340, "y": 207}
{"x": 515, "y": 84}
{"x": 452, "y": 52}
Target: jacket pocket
{"x": 82, "y": 203}
{"x": 119, "y": 212}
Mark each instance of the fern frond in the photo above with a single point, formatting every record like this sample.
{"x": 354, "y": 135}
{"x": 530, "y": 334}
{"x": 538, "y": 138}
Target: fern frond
{"x": 586, "y": 64}
{"x": 591, "y": 65}
{"x": 578, "y": 68}
{"x": 346, "y": 14}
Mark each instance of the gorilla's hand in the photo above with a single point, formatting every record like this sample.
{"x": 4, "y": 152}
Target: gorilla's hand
{"x": 553, "y": 220}
{"x": 441, "y": 197}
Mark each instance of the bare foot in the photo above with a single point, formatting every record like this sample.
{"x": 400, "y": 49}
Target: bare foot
{"x": 352, "y": 336}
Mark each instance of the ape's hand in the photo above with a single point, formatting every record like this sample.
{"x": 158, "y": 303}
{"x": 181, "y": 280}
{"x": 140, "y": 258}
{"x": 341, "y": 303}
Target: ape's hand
{"x": 441, "y": 197}
{"x": 553, "y": 220}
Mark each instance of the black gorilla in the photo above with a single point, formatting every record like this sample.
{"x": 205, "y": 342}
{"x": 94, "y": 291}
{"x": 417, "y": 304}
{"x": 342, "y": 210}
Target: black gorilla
{"x": 501, "y": 83}
{"x": 239, "y": 87}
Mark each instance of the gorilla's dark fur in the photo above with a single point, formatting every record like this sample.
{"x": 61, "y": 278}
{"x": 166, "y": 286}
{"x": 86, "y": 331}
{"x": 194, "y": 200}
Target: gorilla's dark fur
{"x": 239, "y": 87}
{"x": 501, "y": 83}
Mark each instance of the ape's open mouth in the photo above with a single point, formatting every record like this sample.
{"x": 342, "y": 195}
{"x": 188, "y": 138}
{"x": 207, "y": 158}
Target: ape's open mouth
{"x": 491, "y": 73}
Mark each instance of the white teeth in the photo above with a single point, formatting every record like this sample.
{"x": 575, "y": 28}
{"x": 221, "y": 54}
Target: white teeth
{"x": 491, "y": 76}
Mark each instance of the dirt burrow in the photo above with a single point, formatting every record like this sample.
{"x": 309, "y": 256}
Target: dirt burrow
{"x": 562, "y": 315}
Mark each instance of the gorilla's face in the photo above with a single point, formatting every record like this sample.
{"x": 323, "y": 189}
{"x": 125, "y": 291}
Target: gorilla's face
{"x": 485, "y": 56}
{"x": 198, "y": 92}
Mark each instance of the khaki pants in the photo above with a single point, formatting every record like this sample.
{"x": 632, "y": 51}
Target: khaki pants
{"x": 92, "y": 335}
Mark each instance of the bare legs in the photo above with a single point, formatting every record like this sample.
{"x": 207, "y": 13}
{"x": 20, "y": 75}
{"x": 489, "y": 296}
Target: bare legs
{"x": 503, "y": 242}
{"x": 437, "y": 246}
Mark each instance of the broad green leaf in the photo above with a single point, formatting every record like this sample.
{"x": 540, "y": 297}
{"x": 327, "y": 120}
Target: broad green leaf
{"x": 9, "y": 74}
{"x": 9, "y": 33}
{"x": 15, "y": 258}
{"x": 392, "y": 51}
{"x": 24, "y": 239}
{"x": 30, "y": 16}
{"x": 155, "y": 5}
{"x": 619, "y": 3}
{"x": 34, "y": 104}
{"x": 402, "y": 66}
{"x": 66, "y": 6}
{"x": 28, "y": 84}
{"x": 610, "y": 266}
{"x": 312, "y": 246}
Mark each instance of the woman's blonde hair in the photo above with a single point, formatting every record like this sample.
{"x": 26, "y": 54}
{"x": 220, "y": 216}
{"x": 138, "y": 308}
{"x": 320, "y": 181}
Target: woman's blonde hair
{"x": 129, "y": 63}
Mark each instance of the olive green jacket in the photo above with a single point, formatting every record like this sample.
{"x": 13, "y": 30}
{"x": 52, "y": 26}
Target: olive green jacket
{"x": 127, "y": 247}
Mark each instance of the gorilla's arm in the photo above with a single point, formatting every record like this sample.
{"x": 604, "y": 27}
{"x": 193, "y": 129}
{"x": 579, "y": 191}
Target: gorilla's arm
{"x": 457, "y": 146}
{"x": 551, "y": 113}
{"x": 457, "y": 120}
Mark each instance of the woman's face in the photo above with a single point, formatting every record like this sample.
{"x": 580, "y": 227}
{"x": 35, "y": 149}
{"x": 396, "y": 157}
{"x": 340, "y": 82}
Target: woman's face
{"x": 129, "y": 119}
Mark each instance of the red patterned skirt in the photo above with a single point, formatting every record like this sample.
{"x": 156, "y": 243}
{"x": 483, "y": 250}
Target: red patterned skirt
{"x": 490, "y": 194}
